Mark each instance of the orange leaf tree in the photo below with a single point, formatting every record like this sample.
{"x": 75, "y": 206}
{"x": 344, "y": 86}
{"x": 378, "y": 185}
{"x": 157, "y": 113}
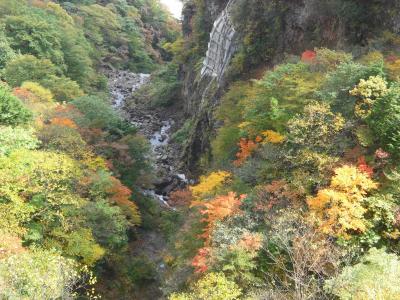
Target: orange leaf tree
{"x": 214, "y": 210}
{"x": 218, "y": 209}
{"x": 246, "y": 148}
{"x": 121, "y": 195}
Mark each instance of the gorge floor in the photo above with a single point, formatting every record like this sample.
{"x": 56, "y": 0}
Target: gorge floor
{"x": 157, "y": 125}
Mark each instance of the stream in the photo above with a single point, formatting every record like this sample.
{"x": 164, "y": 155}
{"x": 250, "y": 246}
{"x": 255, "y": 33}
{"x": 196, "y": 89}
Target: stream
{"x": 156, "y": 129}
{"x": 157, "y": 126}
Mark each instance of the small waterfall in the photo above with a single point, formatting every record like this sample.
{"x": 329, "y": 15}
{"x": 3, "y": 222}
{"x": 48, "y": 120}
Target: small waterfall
{"x": 221, "y": 46}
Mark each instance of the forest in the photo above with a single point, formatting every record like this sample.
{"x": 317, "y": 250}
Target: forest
{"x": 70, "y": 163}
{"x": 258, "y": 161}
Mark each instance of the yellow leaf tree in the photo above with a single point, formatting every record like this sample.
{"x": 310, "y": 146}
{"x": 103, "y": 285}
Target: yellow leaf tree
{"x": 338, "y": 209}
{"x": 208, "y": 185}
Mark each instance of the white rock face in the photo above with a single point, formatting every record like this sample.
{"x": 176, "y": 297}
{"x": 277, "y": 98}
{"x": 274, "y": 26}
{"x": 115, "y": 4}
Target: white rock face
{"x": 221, "y": 46}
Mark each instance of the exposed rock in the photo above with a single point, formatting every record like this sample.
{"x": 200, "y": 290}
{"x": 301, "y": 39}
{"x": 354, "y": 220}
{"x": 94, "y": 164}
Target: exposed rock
{"x": 157, "y": 130}
{"x": 221, "y": 46}
{"x": 283, "y": 27}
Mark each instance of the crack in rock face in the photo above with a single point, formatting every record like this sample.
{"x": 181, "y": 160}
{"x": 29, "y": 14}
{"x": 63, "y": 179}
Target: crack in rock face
{"x": 222, "y": 45}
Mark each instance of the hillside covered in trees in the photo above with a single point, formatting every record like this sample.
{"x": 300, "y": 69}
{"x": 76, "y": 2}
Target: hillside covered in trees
{"x": 259, "y": 160}
{"x": 293, "y": 125}
{"x": 69, "y": 161}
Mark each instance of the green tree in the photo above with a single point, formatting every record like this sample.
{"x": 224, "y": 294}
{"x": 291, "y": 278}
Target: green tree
{"x": 37, "y": 275}
{"x": 12, "y": 111}
{"x": 385, "y": 120}
{"x": 108, "y": 223}
{"x": 213, "y": 286}
{"x": 63, "y": 88}
{"x": 31, "y": 34}
{"x": 6, "y": 52}
{"x": 374, "y": 277}
{"x": 28, "y": 68}
{"x": 341, "y": 80}
{"x": 96, "y": 113}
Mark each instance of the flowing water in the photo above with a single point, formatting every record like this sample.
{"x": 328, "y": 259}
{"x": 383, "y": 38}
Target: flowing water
{"x": 124, "y": 83}
{"x": 157, "y": 130}
{"x": 161, "y": 138}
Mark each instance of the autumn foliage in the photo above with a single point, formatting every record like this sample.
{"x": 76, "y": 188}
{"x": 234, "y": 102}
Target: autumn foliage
{"x": 208, "y": 185}
{"x": 246, "y": 148}
{"x": 121, "y": 195}
{"x": 66, "y": 122}
{"x": 308, "y": 56}
{"x": 272, "y": 137}
{"x": 200, "y": 261}
{"x": 213, "y": 211}
{"x": 275, "y": 196}
{"x": 364, "y": 167}
{"x": 338, "y": 209}
{"x": 251, "y": 242}
{"x": 180, "y": 198}
{"x": 218, "y": 209}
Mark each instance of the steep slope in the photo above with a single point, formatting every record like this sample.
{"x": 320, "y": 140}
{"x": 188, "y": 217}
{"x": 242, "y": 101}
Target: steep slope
{"x": 265, "y": 34}
{"x": 293, "y": 109}
{"x": 72, "y": 165}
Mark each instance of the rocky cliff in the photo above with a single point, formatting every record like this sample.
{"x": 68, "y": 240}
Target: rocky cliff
{"x": 234, "y": 39}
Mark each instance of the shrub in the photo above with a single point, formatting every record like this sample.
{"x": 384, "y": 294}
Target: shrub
{"x": 63, "y": 88}
{"x": 368, "y": 91}
{"x": 339, "y": 209}
{"x": 385, "y": 120}
{"x": 230, "y": 111}
{"x": 164, "y": 88}
{"x": 132, "y": 161}
{"x": 213, "y": 286}
{"x": 142, "y": 270}
{"x": 96, "y": 113}
{"x": 340, "y": 81}
{"x": 22, "y": 276}
{"x": 16, "y": 138}
{"x": 328, "y": 60}
{"x": 40, "y": 93}
{"x": 12, "y": 111}
{"x": 28, "y": 68}
{"x": 63, "y": 138}
{"x": 374, "y": 277}
{"x": 181, "y": 135}
{"x": 317, "y": 128}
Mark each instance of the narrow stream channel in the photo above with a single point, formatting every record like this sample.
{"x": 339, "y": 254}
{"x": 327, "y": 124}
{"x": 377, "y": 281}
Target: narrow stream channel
{"x": 157, "y": 130}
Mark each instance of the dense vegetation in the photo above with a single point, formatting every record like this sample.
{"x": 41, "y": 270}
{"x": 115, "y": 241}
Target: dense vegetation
{"x": 300, "y": 193}
{"x": 301, "y": 197}
{"x": 66, "y": 157}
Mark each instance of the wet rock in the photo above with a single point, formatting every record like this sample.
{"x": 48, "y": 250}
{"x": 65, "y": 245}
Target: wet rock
{"x": 157, "y": 130}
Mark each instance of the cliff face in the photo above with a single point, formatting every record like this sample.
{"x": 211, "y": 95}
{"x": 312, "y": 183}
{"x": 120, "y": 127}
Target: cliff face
{"x": 203, "y": 78}
{"x": 241, "y": 36}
